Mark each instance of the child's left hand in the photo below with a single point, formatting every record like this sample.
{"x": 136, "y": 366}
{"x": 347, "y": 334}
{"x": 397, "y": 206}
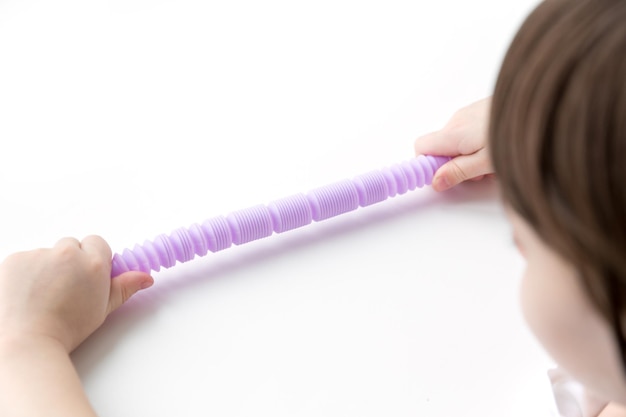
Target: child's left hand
{"x": 64, "y": 293}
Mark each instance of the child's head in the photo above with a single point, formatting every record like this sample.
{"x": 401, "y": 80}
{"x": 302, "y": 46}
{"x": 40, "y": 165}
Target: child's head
{"x": 558, "y": 144}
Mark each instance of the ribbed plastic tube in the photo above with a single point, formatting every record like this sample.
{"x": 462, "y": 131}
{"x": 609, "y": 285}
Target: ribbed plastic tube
{"x": 279, "y": 216}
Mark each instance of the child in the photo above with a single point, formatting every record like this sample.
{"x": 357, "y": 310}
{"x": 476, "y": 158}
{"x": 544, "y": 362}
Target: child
{"x": 557, "y": 143}
{"x": 556, "y": 134}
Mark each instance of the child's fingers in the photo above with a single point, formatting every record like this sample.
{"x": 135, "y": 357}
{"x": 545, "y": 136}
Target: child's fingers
{"x": 96, "y": 246}
{"x": 67, "y": 242}
{"x": 439, "y": 143}
{"x": 125, "y": 286}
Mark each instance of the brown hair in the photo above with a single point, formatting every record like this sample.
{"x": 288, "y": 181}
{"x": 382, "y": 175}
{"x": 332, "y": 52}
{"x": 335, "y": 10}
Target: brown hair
{"x": 558, "y": 140}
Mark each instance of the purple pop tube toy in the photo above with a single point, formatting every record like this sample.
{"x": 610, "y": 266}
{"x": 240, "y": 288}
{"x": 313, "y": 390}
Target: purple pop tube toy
{"x": 289, "y": 213}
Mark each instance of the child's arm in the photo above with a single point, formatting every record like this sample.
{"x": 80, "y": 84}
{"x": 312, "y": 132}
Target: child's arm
{"x": 465, "y": 139}
{"x": 37, "y": 378}
{"x": 51, "y": 300}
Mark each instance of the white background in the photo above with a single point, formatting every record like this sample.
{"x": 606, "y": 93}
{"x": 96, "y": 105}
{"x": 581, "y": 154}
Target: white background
{"x": 130, "y": 118}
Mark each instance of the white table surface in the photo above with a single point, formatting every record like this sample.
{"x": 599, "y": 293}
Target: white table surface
{"x": 130, "y": 118}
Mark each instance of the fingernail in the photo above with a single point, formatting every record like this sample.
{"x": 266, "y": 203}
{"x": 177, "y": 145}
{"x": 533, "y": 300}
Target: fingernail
{"x": 441, "y": 183}
{"x": 147, "y": 284}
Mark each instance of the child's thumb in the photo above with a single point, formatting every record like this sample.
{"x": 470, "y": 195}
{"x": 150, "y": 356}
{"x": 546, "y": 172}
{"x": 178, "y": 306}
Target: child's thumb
{"x": 125, "y": 285}
{"x": 462, "y": 168}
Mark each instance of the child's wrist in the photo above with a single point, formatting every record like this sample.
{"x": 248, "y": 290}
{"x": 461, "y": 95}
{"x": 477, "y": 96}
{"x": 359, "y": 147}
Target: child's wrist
{"x": 18, "y": 343}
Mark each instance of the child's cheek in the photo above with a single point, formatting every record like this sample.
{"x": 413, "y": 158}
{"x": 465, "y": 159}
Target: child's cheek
{"x": 519, "y": 247}
{"x": 529, "y": 302}
{"x": 538, "y": 299}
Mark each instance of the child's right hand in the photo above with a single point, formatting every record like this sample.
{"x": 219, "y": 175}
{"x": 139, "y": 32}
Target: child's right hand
{"x": 464, "y": 138}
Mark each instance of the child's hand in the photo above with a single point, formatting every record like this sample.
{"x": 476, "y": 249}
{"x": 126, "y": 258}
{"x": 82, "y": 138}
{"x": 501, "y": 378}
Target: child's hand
{"x": 63, "y": 293}
{"x": 465, "y": 139}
